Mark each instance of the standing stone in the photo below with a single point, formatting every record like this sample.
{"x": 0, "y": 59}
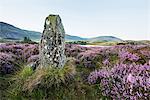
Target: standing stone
{"x": 52, "y": 44}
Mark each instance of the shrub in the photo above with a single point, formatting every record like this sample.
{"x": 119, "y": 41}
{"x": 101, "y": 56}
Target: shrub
{"x": 33, "y": 58}
{"x": 125, "y": 55}
{"x": 7, "y": 63}
{"x": 73, "y": 50}
{"x": 123, "y": 81}
{"x": 88, "y": 57}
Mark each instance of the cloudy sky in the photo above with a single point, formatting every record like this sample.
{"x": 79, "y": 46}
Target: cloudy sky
{"x": 126, "y": 19}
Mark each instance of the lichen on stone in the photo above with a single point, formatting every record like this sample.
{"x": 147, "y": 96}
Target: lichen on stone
{"x": 52, "y": 45}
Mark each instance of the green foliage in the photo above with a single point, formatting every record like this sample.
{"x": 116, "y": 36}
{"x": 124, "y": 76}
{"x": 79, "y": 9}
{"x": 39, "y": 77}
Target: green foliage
{"x": 27, "y": 39}
{"x": 113, "y": 59}
{"x": 43, "y": 83}
{"x": 49, "y": 76}
{"x": 98, "y": 61}
{"x": 78, "y": 42}
{"x": 103, "y": 43}
{"x": 17, "y": 82}
{"x": 3, "y": 86}
{"x": 67, "y": 83}
{"x": 25, "y": 73}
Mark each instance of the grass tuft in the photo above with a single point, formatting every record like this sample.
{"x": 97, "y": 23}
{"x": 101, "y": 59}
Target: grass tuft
{"x": 17, "y": 82}
{"x": 44, "y": 81}
{"x": 50, "y": 76}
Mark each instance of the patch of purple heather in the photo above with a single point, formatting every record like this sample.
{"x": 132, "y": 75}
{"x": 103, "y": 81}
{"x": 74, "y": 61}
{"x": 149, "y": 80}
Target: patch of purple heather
{"x": 6, "y": 63}
{"x": 87, "y": 57}
{"x": 106, "y": 62}
{"x": 33, "y": 58}
{"x": 124, "y": 81}
{"x": 145, "y": 53}
{"x": 11, "y": 55}
{"x": 126, "y": 55}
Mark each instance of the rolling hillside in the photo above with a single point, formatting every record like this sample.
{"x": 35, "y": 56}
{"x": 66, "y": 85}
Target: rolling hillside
{"x": 8, "y": 31}
{"x": 105, "y": 38}
{"x": 11, "y": 32}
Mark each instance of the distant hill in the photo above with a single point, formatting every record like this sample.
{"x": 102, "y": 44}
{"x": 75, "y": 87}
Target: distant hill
{"x": 74, "y": 38}
{"x": 105, "y": 38}
{"x": 10, "y": 32}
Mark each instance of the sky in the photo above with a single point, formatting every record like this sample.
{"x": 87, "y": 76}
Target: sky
{"x": 125, "y": 19}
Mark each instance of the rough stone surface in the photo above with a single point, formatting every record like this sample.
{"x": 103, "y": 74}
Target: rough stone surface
{"x": 52, "y": 44}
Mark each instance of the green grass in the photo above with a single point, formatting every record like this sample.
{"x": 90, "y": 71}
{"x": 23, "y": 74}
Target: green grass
{"x": 50, "y": 83}
{"x": 103, "y": 43}
{"x": 50, "y": 80}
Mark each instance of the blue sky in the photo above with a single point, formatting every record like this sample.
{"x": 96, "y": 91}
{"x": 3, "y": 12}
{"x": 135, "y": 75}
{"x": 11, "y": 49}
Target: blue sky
{"x": 126, "y": 19}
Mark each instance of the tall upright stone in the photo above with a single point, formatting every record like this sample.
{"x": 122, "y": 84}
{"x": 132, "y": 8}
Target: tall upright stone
{"x": 52, "y": 44}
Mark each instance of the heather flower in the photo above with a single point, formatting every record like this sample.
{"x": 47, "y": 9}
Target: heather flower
{"x": 87, "y": 57}
{"x": 131, "y": 79}
{"x": 97, "y": 74}
{"x": 106, "y": 62}
{"x": 11, "y": 55}
{"x": 33, "y": 58}
{"x": 125, "y": 55}
{"x": 6, "y": 63}
{"x": 145, "y": 53}
{"x": 123, "y": 81}
{"x": 148, "y": 82}
{"x": 72, "y": 50}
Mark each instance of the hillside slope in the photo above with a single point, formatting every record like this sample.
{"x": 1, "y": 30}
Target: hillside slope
{"x": 8, "y": 31}
{"x": 105, "y": 38}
